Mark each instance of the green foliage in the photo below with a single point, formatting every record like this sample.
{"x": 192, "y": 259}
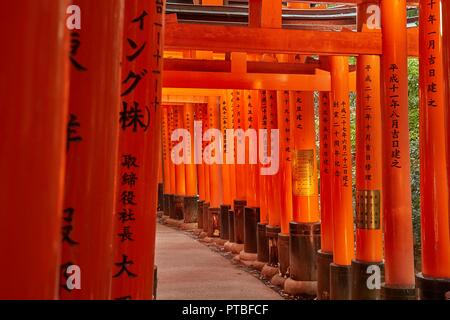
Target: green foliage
{"x": 413, "y": 96}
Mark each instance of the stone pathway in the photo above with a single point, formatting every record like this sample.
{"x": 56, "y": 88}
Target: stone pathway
{"x": 189, "y": 270}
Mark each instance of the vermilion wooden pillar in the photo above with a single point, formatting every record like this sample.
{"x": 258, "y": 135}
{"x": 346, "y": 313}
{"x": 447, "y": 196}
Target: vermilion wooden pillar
{"x": 173, "y": 182}
{"x": 33, "y": 91}
{"x": 180, "y": 173}
{"x": 325, "y": 173}
{"x": 281, "y": 105}
{"x": 263, "y": 240}
{"x": 215, "y": 185}
{"x": 140, "y": 119}
{"x": 343, "y": 238}
{"x": 398, "y": 241}
{"x": 200, "y": 174}
{"x": 274, "y": 229}
{"x": 434, "y": 280}
{"x": 251, "y": 171}
{"x": 206, "y": 171}
{"x": 227, "y": 200}
{"x": 239, "y": 144}
{"x": 165, "y": 140}
{"x": 282, "y": 180}
{"x": 325, "y": 255}
{"x": 303, "y": 153}
{"x": 274, "y": 185}
{"x": 304, "y": 231}
{"x": 225, "y": 123}
{"x": 262, "y": 143}
{"x": 369, "y": 237}
{"x": 191, "y": 172}
{"x": 446, "y": 49}
{"x": 191, "y": 198}
{"x": 239, "y": 123}
{"x": 215, "y": 170}
{"x": 92, "y": 145}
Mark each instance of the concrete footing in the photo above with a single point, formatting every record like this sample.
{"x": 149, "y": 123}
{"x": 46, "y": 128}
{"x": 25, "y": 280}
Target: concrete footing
{"x": 268, "y": 272}
{"x": 188, "y": 226}
{"x": 233, "y": 247}
{"x": 278, "y": 280}
{"x": 174, "y": 222}
{"x": 297, "y": 288}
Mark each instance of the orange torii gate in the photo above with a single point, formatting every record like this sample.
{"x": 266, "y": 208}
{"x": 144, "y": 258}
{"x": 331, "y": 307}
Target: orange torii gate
{"x": 117, "y": 141}
{"x": 349, "y": 276}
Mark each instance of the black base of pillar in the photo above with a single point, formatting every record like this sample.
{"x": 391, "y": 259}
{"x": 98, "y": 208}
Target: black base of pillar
{"x": 432, "y": 288}
{"x": 262, "y": 243}
{"x": 205, "y": 216}
{"x": 397, "y": 293}
{"x": 340, "y": 282}
{"x": 304, "y": 243}
{"x": 155, "y": 281}
{"x": 239, "y": 225}
{"x": 232, "y": 235}
{"x": 224, "y": 223}
{"x": 324, "y": 259}
{"x": 160, "y": 197}
{"x": 190, "y": 209}
{"x": 251, "y": 219}
{"x": 272, "y": 238}
{"x": 179, "y": 207}
{"x": 283, "y": 254}
{"x": 361, "y": 271}
{"x": 200, "y": 214}
{"x": 166, "y": 205}
{"x": 172, "y": 214}
{"x": 213, "y": 222}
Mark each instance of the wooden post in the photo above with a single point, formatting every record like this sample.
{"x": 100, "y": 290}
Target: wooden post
{"x": 34, "y": 80}
{"x": 434, "y": 190}
{"x": 398, "y": 238}
{"x": 93, "y": 140}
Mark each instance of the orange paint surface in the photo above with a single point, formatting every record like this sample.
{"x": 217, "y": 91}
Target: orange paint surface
{"x": 91, "y": 166}
{"x": 135, "y": 218}
{"x": 326, "y": 165}
{"x": 434, "y": 190}
{"x": 285, "y": 171}
{"x": 191, "y": 170}
{"x": 343, "y": 238}
{"x": 305, "y": 194}
{"x": 398, "y": 234}
{"x": 33, "y": 130}
{"x": 273, "y": 182}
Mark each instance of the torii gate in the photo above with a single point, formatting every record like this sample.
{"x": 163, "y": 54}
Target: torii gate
{"x": 80, "y": 155}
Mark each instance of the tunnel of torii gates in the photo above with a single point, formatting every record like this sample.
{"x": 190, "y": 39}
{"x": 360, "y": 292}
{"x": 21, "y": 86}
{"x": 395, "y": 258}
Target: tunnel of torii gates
{"x": 92, "y": 91}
